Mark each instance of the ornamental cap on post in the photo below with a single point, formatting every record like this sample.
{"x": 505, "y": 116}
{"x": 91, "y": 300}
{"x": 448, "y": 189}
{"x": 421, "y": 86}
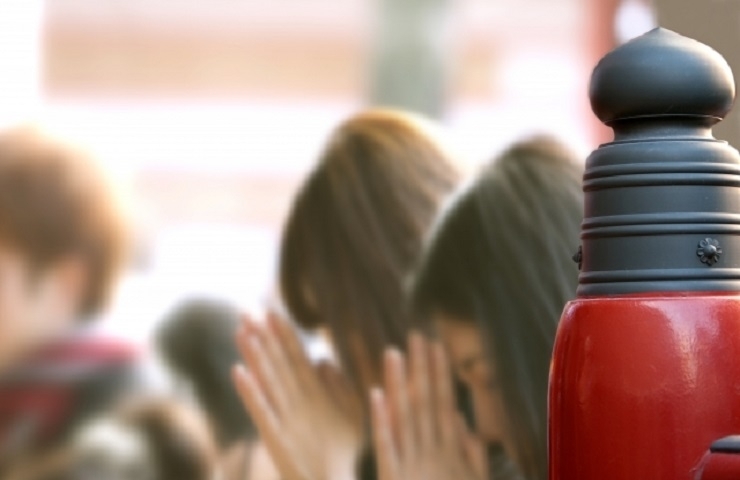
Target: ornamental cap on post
{"x": 662, "y": 201}
{"x": 662, "y": 73}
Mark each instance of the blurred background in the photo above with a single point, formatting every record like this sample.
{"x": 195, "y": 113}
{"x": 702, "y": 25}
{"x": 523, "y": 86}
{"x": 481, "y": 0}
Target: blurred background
{"x": 211, "y": 112}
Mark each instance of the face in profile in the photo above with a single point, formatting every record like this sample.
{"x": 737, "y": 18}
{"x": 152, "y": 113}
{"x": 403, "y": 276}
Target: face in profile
{"x": 471, "y": 365}
{"x": 33, "y": 303}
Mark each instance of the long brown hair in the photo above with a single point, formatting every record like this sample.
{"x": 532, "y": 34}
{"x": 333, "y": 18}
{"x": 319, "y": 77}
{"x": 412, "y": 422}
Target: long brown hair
{"x": 355, "y": 232}
{"x": 500, "y": 257}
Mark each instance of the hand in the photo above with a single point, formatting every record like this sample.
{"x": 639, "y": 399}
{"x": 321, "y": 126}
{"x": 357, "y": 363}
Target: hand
{"x": 418, "y": 433}
{"x": 309, "y": 417}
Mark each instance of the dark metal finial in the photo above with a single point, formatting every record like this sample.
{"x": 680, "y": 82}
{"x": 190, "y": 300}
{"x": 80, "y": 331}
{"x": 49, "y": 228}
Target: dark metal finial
{"x": 662, "y": 73}
{"x": 664, "y": 182}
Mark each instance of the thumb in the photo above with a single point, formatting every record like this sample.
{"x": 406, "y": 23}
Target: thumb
{"x": 386, "y": 454}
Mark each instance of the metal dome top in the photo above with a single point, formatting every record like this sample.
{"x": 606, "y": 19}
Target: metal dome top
{"x": 662, "y": 73}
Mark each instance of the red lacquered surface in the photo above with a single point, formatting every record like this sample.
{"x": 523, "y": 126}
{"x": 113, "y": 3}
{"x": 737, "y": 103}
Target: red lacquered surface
{"x": 719, "y": 466}
{"x": 642, "y": 385}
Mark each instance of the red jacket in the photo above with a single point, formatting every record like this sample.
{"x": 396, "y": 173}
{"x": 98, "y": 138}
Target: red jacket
{"x": 46, "y": 397}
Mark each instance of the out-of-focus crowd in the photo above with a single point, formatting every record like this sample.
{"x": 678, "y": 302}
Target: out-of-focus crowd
{"x": 439, "y": 293}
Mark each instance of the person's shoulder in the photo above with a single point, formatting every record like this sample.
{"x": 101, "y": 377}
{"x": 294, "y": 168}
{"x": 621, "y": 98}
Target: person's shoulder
{"x": 92, "y": 348}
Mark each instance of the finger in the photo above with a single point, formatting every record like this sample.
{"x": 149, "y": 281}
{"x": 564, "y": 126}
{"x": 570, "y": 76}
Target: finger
{"x": 248, "y": 328}
{"x": 286, "y": 371}
{"x": 250, "y": 325}
{"x": 294, "y": 351}
{"x": 474, "y": 450}
{"x": 421, "y": 400}
{"x": 288, "y": 336}
{"x": 246, "y": 333}
{"x": 243, "y": 330}
{"x": 255, "y": 402}
{"x": 243, "y": 334}
{"x": 396, "y": 386}
{"x": 262, "y": 371}
{"x": 386, "y": 455}
{"x": 446, "y": 411}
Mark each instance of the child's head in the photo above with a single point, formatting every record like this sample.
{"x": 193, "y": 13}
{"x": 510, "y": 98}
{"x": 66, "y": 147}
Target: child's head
{"x": 494, "y": 279}
{"x": 63, "y": 239}
{"x": 197, "y": 341}
{"x": 355, "y": 232}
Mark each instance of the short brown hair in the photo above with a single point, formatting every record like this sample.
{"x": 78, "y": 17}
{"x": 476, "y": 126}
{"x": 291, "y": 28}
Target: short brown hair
{"x": 55, "y": 201}
{"x": 356, "y": 229}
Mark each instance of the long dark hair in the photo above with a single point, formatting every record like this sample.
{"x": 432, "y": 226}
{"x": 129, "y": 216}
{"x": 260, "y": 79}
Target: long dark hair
{"x": 355, "y": 232}
{"x": 501, "y": 256}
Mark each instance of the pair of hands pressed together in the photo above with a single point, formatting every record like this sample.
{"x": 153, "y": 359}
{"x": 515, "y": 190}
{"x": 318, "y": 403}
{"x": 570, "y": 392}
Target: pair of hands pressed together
{"x": 312, "y": 420}
{"x": 418, "y": 433}
{"x": 310, "y": 417}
